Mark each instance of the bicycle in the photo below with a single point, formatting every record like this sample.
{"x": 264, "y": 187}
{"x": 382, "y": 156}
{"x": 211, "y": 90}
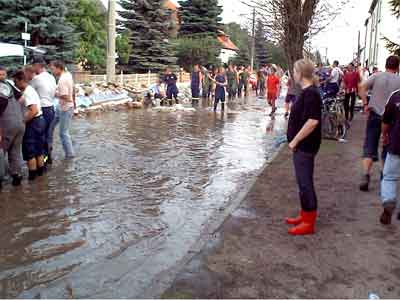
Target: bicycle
{"x": 334, "y": 124}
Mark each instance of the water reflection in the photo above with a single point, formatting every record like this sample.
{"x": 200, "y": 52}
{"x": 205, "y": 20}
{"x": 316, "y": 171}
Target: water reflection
{"x": 132, "y": 203}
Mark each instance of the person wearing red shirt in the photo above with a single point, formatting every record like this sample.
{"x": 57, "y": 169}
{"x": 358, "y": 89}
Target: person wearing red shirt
{"x": 350, "y": 83}
{"x": 273, "y": 87}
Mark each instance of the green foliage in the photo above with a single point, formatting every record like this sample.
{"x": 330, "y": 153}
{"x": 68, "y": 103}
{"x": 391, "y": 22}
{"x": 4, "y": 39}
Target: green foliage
{"x": 393, "y": 47}
{"x": 89, "y": 18}
{"x": 390, "y": 45}
{"x": 47, "y": 24}
{"x": 201, "y": 51}
{"x": 278, "y": 56}
{"x": 149, "y": 24}
{"x": 240, "y": 37}
{"x": 123, "y": 47}
{"x": 263, "y": 54}
{"x": 200, "y": 17}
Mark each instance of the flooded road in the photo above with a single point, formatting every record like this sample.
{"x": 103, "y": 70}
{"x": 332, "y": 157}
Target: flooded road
{"x": 131, "y": 204}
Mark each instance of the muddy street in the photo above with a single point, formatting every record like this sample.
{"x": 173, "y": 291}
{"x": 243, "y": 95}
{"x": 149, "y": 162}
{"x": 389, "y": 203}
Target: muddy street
{"x": 133, "y": 201}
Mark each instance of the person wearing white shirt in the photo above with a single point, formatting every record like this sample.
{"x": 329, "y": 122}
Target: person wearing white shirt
{"x": 33, "y": 141}
{"x": 45, "y": 85}
{"x": 334, "y": 79}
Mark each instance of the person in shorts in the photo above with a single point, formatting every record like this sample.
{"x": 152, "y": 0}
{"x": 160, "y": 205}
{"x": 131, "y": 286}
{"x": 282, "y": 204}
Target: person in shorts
{"x": 45, "y": 85}
{"x": 382, "y": 85}
{"x": 34, "y": 137}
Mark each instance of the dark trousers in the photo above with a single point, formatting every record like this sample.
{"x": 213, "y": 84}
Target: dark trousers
{"x": 349, "y": 104}
{"x": 242, "y": 86}
{"x": 48, "y": 115}
{"x": 172, "y": 92}
{"x": 304, "y": 169}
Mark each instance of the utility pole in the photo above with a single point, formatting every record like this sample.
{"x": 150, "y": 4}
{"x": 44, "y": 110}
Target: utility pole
{"x": 253, "y": 41}
{"x": 26, "y": 37}
{"x": 111, "y": 41}
{"x": 359, "y": 48}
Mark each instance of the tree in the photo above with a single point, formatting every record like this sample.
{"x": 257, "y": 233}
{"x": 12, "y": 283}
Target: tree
{"x": 291, "y": 23}
{"x": 391, "y": 45}
{"x": 240, "y": 37}
{"x": 263, "y": 55}
{"x": 89, "y": 19}
{"x": 395, "y": 7}
{"x": 202, "y": 51}
{"x": 123, "y": 48}
{"x": 47, "y": 24}
{"x": 148, "y": 23}
{"x": 318, "y": 57}
{"x": 200, "y": 17}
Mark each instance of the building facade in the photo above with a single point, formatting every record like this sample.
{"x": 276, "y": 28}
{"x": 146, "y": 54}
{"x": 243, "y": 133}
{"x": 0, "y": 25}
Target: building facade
{"x": 380, "y": 24}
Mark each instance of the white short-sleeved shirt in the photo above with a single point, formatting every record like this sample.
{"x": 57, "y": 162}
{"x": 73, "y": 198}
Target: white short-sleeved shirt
{"x": 32, "y": 98}
{"x": 335, "y": 75}
{"x": 45, "y": 85}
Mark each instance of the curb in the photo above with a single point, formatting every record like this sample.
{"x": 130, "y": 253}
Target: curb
{"x": 164, "y": 280}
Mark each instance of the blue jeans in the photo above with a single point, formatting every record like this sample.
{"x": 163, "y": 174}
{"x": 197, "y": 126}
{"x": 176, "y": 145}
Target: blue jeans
{"x": 48, "y": 115}
{"x": 391, "y": 175}
{"x": 64, "y": 119}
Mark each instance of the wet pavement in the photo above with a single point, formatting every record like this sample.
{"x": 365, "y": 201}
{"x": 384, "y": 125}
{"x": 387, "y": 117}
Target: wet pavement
{"x": 132, "y": 203}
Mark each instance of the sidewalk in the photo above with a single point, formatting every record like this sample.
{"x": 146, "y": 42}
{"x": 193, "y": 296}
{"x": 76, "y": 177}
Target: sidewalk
{"x": 252, "y": 256}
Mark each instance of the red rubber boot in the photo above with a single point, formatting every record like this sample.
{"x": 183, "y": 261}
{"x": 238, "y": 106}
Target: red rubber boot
{"x": 295, "y": 221}
{"x": 307, "y": 226}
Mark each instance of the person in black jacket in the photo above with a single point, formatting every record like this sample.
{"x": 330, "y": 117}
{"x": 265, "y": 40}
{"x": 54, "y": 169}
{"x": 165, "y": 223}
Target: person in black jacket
{"x": 304, "y": 136}
{"x": 170, "y": 80}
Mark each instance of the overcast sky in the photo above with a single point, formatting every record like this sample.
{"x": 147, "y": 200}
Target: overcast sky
{"x": 340, "y": 37}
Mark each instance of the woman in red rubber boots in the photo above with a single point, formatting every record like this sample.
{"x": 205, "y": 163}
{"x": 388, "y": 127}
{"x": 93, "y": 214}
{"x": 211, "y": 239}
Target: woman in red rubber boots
{"x": 304, "y": 137}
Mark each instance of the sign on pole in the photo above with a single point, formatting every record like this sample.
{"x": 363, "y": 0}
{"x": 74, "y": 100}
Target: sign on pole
{"x": 26, "y": 36}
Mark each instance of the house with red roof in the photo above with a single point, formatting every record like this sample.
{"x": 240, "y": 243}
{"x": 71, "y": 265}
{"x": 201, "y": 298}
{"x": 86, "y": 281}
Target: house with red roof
{"x": 228, "y": 48}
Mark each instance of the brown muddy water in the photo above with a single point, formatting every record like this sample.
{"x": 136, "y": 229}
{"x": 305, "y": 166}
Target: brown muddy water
{"x": 131, "y": 204}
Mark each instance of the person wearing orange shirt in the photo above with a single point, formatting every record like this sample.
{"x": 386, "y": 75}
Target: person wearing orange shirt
{"x": 273, "y": 88}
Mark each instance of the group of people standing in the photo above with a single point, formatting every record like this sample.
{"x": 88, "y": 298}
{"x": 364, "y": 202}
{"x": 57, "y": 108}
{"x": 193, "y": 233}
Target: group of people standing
{"x": 32, "y": 104}
{"x": 234, "y": 82}
{"x": 380, "y": 94}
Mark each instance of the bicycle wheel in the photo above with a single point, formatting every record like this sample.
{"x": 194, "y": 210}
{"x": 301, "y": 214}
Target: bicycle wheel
{"x": 329, "y": 128}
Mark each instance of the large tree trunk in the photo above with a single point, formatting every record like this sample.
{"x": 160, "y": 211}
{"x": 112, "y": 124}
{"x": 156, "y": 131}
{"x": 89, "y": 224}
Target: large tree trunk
{"x": 297, "y": 15}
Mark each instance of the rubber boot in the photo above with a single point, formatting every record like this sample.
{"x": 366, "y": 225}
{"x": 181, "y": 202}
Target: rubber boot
{"x": 32, "y": 175}
{"x": 40, "y": 171}
{"x": 364, "y": 186}
{"x": 295, "y": 221}
{"x": 16, "y": 180}
{"x": 307, "y": 226}
{"x": 222, "y": 107}
{"x": 215, "y": 106}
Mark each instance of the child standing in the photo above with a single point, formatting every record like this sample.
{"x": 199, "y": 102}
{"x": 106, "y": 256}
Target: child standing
{"x": 170, "y": 80}
{"x": 273, "y": 86}
{"x": 220, "y": 82}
